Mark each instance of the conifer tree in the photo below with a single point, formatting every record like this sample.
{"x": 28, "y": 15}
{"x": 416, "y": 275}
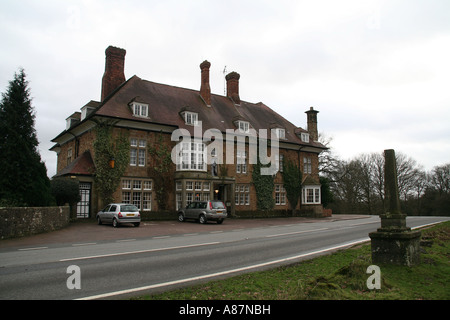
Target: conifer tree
{"x": 23, "y": 176}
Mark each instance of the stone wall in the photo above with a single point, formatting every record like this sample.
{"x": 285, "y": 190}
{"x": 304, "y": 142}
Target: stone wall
{"x": 19, "y": 222}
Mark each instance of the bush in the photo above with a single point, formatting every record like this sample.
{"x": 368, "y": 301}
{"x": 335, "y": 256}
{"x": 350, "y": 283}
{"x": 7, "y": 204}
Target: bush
{"x": 65, "y": 190}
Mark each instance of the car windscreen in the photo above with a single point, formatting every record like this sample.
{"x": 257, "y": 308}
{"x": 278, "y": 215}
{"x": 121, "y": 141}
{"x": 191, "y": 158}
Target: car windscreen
{"x": 217, "y": 205}
{"x": 128, "y": 208}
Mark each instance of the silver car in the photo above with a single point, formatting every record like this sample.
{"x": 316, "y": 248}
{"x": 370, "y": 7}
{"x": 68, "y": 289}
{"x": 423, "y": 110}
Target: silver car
{"x": 204, "y": 211}
{"x": 118, "y": 213}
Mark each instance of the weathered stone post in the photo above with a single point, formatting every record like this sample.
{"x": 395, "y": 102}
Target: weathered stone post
{"x": 394, "y": 242}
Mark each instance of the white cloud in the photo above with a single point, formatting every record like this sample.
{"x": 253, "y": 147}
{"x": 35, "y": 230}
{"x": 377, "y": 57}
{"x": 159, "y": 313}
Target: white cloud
{"x": 378, "y": 71}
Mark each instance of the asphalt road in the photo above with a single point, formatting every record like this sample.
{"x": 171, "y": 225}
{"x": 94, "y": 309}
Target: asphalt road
{"x": 110, "y": 265}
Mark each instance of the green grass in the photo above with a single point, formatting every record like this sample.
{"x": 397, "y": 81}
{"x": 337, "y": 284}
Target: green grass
{"x": 341, "y": 275}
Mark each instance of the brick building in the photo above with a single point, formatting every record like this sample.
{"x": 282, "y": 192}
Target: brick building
{"x": 146, "y": 112}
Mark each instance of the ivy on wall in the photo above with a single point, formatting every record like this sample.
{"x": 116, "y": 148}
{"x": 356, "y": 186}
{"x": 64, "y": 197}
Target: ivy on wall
{"x": 161, "y": 170}
{"x": 107, "y": 148}
{"x": 292, "y": 181}
{"x": 264, "y": 186}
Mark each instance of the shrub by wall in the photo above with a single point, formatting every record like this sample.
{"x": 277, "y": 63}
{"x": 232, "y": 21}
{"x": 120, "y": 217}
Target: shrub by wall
{"x": 19, "y": 222}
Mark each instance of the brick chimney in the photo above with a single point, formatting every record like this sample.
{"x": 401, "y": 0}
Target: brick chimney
{"x": 312, "y": 123}
{"x": 114, "y": 70}
{"x": 233, "y": 86}
{"x": 205, "y": 89}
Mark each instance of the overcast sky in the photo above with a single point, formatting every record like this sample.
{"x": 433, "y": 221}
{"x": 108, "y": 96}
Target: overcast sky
{"x": 378, "y": 71}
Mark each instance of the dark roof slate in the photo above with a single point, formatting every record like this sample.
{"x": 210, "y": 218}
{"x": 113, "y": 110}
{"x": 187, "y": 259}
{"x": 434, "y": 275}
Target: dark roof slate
{"x": 83, "y": 165}
{"x": 165, "y": 104}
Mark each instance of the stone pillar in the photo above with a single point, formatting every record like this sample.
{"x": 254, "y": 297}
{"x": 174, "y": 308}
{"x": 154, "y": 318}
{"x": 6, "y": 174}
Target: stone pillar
{"x": 394, "y": 242}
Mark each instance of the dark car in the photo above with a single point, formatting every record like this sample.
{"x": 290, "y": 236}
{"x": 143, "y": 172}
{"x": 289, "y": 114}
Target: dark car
{"x": 204, "y": 211}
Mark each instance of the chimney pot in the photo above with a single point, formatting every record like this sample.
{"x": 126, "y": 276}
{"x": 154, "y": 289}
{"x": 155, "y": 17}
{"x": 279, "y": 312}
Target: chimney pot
{"x": 205, "y": 89}
{"x": 114, "y": 74}
{"x": 233, "y": 86}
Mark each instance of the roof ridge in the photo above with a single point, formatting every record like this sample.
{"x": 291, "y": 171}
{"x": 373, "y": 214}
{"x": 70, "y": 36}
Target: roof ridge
{"x": 197, "y": 91}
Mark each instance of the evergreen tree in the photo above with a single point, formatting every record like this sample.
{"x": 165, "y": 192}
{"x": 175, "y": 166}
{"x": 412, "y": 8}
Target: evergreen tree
{"x": 292, "y": 180}
{"x": 23, "y": 176}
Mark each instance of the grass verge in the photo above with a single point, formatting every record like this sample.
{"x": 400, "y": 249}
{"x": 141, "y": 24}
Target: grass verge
{"x": 341, "y": 275}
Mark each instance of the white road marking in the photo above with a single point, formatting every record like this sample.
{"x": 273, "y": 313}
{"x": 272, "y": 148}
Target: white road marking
{"x": 139, "y": 251}
{"x": 297, "y": 232}
{"x": 36, "y": 248}
{"x": 169, "y": 283}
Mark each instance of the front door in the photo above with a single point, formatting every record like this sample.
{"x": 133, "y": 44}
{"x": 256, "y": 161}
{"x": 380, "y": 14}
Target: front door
{"x": 222, "y": 192}
{"x": 83, "y": 207}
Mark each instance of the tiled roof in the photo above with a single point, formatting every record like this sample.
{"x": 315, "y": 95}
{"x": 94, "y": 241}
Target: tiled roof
{"x": 165, "y": 103}
{"x": 83, "y": 165}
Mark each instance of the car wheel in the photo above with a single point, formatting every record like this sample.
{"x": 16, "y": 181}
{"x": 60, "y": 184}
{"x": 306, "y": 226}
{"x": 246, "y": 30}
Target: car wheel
{"x": 115, "y": 223}
{"x": 219, "y": 221}
{"x": 99, "y": 221}
{"x": 202, "y": 219}
{"x": 181, "y": 217}
{"x": 136, "y": 224}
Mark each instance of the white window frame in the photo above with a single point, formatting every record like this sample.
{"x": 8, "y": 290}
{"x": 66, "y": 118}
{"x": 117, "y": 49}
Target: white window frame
{"x": 311, "y": 195}
{"x": 69, "y": 156}
{"x": 241, "y": 161}
{"x": 307, "y": 165}
{"x": 279, "y": 161}
{"x": 189, "y": 197}
{"x": 146, "y": 201}
{"x": 138, "y": 152}
{"x": 281, "y": 133}
{"x": 191, "y": 156}
{"x": 305, "y": 137}
{"x": 133, "y": 157}
{"x": 138, "y": 192}
{"x": 280, "y": 195}
{"x": 242, "y": 195}
{"x": 140, "y": 110}
{"x": 148, "y": 184}
{"x": 191, "y": 118}
{"x": 244, "y": 126}
{"x": 179, "y": 200}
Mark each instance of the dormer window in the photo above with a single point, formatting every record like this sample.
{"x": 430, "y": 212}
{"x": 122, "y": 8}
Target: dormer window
{"x": 85, "y": 111}
{"x": 72, "y": 120}
{"x": 140, "y": 109}
{"x": 281, "y": 134}
{"x": 305, "y": 137}
{"x": 191, "y": 118}
{"x": 244, "y": 126}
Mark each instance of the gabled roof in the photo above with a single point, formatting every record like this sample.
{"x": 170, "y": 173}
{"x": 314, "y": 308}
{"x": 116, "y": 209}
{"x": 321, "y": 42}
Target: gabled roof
{"x": 165, "y": 103}
{"x": 83, "y": 165}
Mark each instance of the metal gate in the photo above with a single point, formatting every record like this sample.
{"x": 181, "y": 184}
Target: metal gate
{"x": 83, "y": 206}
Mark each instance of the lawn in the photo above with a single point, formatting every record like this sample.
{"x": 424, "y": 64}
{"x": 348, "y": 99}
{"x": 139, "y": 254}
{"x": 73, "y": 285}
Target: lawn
{"x": 341, "y": 275}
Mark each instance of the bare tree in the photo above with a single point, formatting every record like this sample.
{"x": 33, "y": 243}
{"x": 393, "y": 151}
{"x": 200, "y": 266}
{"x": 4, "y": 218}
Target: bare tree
{"x": 440, "y": 179}
{"x": 328, "y": 161}
{"x": 407, "y": 171}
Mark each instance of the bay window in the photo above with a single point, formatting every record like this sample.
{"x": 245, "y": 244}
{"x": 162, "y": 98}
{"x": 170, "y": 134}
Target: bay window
{"x": 311, "y": 195}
